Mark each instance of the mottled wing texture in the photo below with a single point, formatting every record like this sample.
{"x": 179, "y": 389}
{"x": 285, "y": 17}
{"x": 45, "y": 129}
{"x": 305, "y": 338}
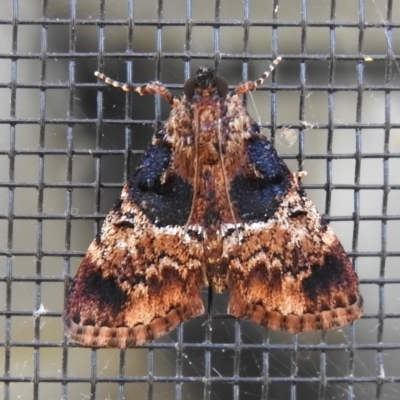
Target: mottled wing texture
{"x": 211, "y": 203}
{"x": 141, "y": 276}
{"x": 289, "y": 271}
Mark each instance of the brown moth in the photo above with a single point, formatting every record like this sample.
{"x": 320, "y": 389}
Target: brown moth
{"x": 210, "y": 204}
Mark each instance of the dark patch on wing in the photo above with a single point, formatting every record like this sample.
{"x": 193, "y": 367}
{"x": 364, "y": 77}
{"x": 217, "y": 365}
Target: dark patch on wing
{"x": 93, "y": 297}
{"x": 125, "y": 219}
{"x": 163, "y": 202}
{"x": 333, "y": 275}
{"x": 298, "y": 213}
{"x": 106, "y": 290}
{"x": 256, "y": 198}
{"x": 125, "y": 224}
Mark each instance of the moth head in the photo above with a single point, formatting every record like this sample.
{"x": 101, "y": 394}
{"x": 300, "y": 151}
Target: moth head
{"x": 206, "y": 80}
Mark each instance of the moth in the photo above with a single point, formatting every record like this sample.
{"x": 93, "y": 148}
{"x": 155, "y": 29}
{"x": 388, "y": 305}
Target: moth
{"x": 210, "y": 204}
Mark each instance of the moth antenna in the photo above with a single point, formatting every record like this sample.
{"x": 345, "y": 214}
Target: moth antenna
{"x": 149, "y": 88}
{"x": 250, "y": 86}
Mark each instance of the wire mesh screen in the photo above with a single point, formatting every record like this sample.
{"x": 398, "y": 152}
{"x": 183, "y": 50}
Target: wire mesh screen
{"x": 68, "y": 143}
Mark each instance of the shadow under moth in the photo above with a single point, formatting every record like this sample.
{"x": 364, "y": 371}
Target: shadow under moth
{"x": 210, "y": 204}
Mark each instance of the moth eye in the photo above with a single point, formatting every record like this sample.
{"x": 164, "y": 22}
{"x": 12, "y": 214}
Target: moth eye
{"x": 188, "y": 87}
{"x": 222, "y": 86}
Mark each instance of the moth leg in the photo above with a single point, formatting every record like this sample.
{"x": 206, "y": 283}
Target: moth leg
{"x": 250, "y": 86}
{"x": 149, "y": 88}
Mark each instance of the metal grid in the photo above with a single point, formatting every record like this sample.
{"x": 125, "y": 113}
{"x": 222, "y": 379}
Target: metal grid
{"x": 213, "y": 357}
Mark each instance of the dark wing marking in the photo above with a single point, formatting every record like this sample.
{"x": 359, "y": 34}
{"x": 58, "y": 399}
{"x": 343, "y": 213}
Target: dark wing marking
{"x": 257, "y": 192}
{"x": 158, "y": 191}
{"x": 143, "y": 274}
{"x": 294, "y": 274}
